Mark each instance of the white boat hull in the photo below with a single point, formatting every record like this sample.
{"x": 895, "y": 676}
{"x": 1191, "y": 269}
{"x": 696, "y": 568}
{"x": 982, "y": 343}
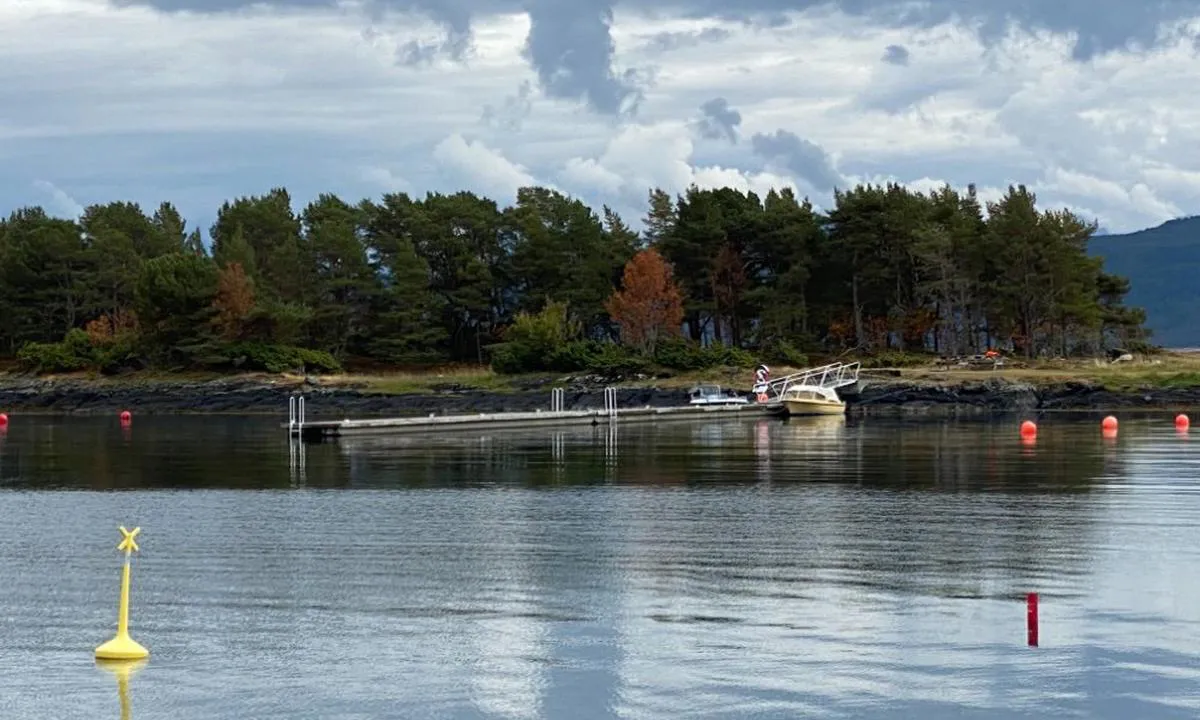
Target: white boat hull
{"x": 814, "y": 406}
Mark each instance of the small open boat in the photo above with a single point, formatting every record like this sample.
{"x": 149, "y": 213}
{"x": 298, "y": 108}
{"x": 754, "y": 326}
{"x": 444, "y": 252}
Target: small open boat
{"x": 713, "y": 395}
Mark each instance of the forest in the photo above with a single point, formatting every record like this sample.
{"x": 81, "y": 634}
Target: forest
{"x": 715, "y": 277}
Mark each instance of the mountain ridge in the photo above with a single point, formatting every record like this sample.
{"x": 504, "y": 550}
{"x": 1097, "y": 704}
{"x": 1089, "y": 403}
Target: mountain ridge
{"x": 1163, "y": 267}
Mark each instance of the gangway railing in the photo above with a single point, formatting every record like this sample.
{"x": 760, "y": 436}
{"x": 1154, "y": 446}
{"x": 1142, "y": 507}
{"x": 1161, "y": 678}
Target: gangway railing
{"x": 828, "y": 377}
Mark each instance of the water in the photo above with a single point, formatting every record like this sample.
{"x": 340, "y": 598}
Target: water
{"x": 819, "y": 568}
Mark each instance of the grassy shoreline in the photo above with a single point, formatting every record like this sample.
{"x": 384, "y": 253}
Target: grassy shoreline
{"x": 1163, "y": 371}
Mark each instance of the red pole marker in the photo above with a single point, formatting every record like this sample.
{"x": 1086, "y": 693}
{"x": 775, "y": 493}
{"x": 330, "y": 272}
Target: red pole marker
{"x": 1031, "y": 618}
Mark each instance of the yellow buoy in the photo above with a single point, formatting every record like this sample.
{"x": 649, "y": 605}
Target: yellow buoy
{"x": 123, "y": 647}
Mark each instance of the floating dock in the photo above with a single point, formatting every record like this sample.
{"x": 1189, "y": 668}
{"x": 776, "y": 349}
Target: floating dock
{"x": 517, "y": 420}
{"x": 768, "y": 403}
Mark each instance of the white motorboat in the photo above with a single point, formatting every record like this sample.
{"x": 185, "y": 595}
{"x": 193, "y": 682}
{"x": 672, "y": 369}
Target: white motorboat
{"x": 714, "y": 395}
{"x": 812, "y": 400}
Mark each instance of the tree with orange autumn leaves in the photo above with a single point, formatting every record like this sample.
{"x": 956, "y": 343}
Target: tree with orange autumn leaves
{"x": 444, "y": 278}
{"x": 234, "y": 300}
{"x": 649, "y": 306}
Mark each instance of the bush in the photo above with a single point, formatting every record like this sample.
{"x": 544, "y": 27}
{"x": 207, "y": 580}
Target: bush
{"x": 511, "y": 359}
{"x": 1140, "y": 347}
{"x": 785, "y": 353}
{"x": 602, "y": 358}
{"x": 895, "y": 359}
{"x": 573, "y": 356}
{"x": 277, "y": 358}
{"x": 74, "y": 353}
{"x": 121, "y": 354}
{"x": 541, "y": 341}
{"x": 615, "y": 361}
{"x": 685, "y": 355}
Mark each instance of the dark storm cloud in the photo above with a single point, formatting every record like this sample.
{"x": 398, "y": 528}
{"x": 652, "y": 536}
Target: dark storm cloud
{"x": 803, "y": 158}
{"x": 667, "y": 41}
{"x": 1100, "y": 25}
{"x": 570, "y": 45}
{"x": 896, "y": 55}
{"x": 718, "y": 120}
{"x": 454, "y": 17}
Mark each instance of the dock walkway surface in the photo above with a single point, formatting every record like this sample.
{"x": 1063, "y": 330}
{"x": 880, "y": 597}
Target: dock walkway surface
{"x": 709, "y": 403}
{"x": 516, "y": 420}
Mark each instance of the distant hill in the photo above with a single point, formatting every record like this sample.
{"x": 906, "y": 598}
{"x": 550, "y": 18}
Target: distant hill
{"x": 1163, "y": 266}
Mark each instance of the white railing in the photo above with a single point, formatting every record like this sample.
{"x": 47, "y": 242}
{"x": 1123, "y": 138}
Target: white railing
{"x": 296, "y": 415}
{"x": 610, "y": 402}
{"x": 828, "y": 377}
{"x": 557, "y": 400}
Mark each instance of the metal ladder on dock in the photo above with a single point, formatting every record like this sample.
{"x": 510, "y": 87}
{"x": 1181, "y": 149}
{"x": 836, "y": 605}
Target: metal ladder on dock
{"x": 296, "y": 415}
{"x": 827, "y": 377}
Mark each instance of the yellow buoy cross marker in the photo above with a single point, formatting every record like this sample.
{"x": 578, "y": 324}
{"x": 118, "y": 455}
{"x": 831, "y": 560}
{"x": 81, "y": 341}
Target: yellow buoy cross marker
{"x": 127, "y": 542}
{"x": 123, "y": 647}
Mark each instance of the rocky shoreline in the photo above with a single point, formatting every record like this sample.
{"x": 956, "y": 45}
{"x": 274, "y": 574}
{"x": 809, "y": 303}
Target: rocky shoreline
{"x": 885, "y": 396}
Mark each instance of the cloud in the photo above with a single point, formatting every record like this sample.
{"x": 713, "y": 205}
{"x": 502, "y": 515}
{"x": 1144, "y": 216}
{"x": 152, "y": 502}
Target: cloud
{"x": 61, "y": 203}
{"x": 803, "y": 158}
{"x": 570, "y": 47}
{"x": 455, "y": 19}
{"x": 718, "y": 120}
{"x": 661, "y": 155}
{"x": 674, "y": 40}
{"x": 482, "y": 167}
{"x": 1123, "y": 203}
{"x": 384, "y": 179}
{"x": 896, "y": 55}
{"x": 208, "y": 99}
{"x": 513, "y": 111}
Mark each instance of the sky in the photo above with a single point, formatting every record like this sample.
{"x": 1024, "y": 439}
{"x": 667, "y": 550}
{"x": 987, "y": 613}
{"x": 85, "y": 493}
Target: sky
{"x": 1089, "y": 103}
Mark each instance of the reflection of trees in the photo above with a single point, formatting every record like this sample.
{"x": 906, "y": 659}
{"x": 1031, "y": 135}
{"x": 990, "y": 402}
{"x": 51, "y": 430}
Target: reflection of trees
{"x": 229, "y": 452}
{"x": 937, "y": 508}
{"x": 154, "y": 452}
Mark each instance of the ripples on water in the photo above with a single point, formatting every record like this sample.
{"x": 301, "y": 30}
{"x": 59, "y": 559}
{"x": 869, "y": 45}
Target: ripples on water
{"x": 728, "y": 570}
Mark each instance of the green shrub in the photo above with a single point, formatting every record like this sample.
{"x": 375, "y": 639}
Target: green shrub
{"x": 615, "y": 361}
{"x": 74, "y": 353}
{"x": 895, "y": 359}
{"x": 512, "y": 358}
{"x": 121, "y": 354}
{"x": 277, "y": 358}
{"x": 1140, "y": 347}
{"x": 685, "y": 355}
{"x": 541, "y": 341}
{"x": 785, "y": 353}
{"x": 573, "y": 356}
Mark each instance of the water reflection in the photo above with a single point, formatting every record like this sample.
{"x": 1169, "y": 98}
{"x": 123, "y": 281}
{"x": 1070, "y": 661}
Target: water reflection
{"x": 249, "y": 453}
{"x": 817, "y": 567}
{"x": 122, "y": 670}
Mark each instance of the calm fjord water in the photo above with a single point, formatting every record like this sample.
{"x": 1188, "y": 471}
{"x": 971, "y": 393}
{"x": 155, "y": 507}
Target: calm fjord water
{"x": 810, "y": 568}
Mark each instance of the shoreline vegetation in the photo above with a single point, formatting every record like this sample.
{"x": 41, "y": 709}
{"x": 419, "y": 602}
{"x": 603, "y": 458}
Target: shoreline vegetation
{"x": 1165, "y": 381}
{"x": 124, "y": 308}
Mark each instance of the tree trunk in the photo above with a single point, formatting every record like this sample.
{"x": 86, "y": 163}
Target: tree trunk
{"x": 859, "y": 334}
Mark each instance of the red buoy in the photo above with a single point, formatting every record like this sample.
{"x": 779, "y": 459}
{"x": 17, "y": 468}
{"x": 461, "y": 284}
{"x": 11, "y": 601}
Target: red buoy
{"x": 126, "y": 416}
{"x": 1031, "y": 618}
{"x": 1028, "y": 429}
{"x": 1182, "y": 422}
{"x": 1109, "y": 423}
{"x": 3, "y": 420}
